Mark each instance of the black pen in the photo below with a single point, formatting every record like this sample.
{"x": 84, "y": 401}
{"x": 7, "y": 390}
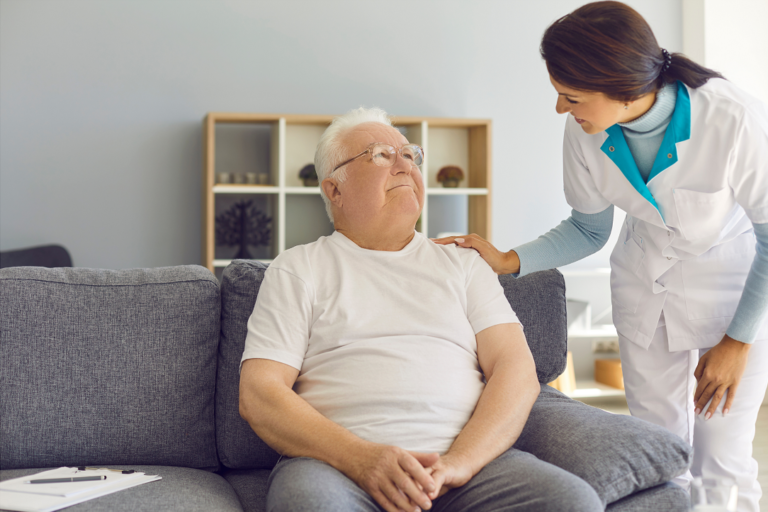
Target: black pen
{"x": 71, "y": 479}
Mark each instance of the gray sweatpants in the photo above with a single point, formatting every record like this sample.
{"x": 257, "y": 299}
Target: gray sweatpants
{"x": 515, "y": 481}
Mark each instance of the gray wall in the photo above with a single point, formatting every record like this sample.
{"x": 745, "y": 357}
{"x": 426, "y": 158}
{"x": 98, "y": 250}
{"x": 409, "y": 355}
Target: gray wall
{"x": 101, "y": 103}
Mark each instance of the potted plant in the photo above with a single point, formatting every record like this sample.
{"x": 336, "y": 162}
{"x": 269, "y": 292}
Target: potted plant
{"x": 308, "y": 175}
{"x": 450, "y": 176}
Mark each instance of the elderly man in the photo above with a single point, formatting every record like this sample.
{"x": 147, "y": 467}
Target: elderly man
{"x": 391, "y": 372}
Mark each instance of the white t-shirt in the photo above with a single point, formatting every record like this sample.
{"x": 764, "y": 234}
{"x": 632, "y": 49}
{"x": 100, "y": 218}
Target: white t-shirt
{"x": 384, "y": 341}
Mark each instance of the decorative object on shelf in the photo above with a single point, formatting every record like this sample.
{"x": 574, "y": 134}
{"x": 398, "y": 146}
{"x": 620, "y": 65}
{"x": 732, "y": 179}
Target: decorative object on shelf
{"x": 223, "y": 177}
{"x": 308, "y": 175}
{"x": 251, "y": 178}
{"x": 238, "y": 178}
{"x": 243, "y": 225}
{"x": 450, "y": 176}
{"x": 608, "y": 372}
{"x": 263, "y": 179}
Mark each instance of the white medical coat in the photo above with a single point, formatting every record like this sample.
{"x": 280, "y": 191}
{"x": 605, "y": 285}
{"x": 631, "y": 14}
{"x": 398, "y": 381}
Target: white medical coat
{"x": 687, "y": 244}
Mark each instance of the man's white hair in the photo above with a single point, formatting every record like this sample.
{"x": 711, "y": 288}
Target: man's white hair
{"x": 331, "y": 152}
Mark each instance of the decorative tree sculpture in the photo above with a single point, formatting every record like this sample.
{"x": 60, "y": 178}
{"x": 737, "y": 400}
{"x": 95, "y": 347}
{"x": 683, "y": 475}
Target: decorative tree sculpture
{"x": 243, "y": 225}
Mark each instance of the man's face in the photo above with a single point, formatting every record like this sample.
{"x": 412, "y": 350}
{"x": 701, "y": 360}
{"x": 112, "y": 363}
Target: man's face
{"x": 371, "y": 191}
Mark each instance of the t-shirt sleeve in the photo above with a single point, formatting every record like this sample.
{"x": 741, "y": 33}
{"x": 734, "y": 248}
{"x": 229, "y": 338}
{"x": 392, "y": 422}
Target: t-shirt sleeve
{"x": 749, "y": 171}
{"x": 279, "y": 326}
{"x": 580, "y": 189}
{"x": 486, "y": 304}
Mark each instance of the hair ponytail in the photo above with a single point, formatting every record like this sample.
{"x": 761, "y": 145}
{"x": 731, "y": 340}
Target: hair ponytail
{"x": 687, "y": 71}
{"x": 608, "y": 47}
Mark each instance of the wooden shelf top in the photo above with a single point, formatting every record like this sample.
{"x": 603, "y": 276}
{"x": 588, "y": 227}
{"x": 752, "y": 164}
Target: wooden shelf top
{"x": 321, "y": 119}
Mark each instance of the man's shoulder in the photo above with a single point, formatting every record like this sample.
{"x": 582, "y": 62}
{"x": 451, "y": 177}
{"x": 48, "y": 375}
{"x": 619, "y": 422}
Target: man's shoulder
{"x": 461, "y": 257}
{"x": 298, "y": 260}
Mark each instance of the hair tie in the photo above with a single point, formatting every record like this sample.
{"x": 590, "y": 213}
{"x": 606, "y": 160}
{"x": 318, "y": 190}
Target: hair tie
{"x": 667, "y": 61}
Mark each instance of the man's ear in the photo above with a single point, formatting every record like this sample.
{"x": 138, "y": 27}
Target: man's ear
{"x": 332, "y": 192}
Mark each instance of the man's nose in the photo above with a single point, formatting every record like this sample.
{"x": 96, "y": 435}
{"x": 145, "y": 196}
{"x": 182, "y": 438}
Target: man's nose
{"x": 401, "y": 165}
{"x": 562, "y": 106}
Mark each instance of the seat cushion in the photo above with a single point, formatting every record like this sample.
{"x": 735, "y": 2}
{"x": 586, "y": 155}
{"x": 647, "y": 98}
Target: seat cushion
{"x": 180, "y": 489}
{"x": 617, "y": 455}
{"x": 667, "y": 497}
{"x": 250, "y": 486}
{"x": 538, "y": 299}
{"x": 108, "y": 367}
{"x": 238, "y": 446}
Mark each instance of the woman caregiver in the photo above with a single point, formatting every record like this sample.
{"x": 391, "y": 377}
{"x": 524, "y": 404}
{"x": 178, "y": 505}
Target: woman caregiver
{"x": 685, "y": 153}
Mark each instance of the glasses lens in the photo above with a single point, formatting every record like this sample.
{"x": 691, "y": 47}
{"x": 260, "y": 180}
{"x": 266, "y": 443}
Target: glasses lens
{"x": 413, "y": 153}
{"x": 383, "y": 154}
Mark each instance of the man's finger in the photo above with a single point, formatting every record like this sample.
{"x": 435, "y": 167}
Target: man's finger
{"x": 413, "y": 464}
{"x": 395, "y": 495}
{"x": 385, "y": 502}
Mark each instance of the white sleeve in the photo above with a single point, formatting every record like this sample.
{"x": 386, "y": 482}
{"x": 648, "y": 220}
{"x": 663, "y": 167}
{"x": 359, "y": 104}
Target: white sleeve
{"x": 580, "y": 190}
{"x": 279, "y": 326}
{"x": 486, "y": 304}
{"x": 749, "y": 169}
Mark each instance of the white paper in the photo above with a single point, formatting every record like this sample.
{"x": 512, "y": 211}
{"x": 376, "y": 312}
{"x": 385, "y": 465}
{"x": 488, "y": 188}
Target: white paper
{"x": 16, "y": 495}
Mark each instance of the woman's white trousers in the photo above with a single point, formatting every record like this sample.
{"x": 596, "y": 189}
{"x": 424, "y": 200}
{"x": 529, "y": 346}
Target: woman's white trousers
{"x": 659, "y": 387}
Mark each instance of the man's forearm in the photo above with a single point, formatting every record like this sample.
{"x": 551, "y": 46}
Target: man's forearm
{"x": 291, "y": 426}
{"x": 500, "y": 414}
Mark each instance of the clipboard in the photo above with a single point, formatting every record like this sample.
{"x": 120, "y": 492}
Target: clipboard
{"x": 19, "y": 495}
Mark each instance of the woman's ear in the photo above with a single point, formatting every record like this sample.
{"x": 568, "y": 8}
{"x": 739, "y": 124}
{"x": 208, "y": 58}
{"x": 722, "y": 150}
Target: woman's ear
{"x": 332, "y": 192}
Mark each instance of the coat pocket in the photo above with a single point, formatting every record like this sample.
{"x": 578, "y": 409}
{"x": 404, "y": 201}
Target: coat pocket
{"x": 703, "y": 215}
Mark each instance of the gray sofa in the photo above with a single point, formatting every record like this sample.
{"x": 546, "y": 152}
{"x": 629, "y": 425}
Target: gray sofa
{"x": 138, "y": 369}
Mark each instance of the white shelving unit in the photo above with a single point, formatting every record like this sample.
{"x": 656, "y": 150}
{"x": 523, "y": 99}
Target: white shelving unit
{"x": 280, "y": 145}
{"x": 592, "y": 287}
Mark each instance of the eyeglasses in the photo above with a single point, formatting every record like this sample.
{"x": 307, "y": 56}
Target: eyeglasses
{"x": 385, "y": 155}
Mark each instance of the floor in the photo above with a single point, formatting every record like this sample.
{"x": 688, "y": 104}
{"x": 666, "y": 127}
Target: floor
{"x": 760, "y": 445}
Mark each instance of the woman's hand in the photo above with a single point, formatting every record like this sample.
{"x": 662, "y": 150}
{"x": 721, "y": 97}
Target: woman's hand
{"x": 500, "y": 262}
{"x": 720, "y": 370}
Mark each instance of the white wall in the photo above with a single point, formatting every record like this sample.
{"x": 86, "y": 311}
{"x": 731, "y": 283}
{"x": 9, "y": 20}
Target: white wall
{"x": 101, "y": 103}
{"x": 730, "y": 37}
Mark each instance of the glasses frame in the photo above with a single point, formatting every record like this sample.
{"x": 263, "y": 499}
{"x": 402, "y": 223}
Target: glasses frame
{"x": 370, "y": 146}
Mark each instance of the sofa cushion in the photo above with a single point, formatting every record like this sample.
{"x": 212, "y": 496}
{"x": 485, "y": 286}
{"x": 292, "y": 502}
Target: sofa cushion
{"x": 667, "y": 497}
{"x": 238, "y": 446}
{"x": 190, "y": 490}
{"x": 250, "y": 486}
{"x": 538, "y": 299}
{"x": 617, "y": 455}
{"x": 108, "y": 367}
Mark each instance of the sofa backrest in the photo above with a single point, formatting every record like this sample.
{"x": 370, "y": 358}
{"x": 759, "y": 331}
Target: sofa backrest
{"x": 538, "y": 299}
{"x": 101, "y": 367}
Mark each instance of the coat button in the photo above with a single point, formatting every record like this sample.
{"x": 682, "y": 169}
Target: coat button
{"x": 669, "y": 155}
{"x": 611, "y": 149}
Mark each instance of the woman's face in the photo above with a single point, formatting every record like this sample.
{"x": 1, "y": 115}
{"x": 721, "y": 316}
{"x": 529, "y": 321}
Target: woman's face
{"x": 594, "y": 111}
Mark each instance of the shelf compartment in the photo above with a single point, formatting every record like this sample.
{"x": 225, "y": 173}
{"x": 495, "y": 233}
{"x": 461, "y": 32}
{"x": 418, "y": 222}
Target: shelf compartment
{"x": 244, "y": 189}
{"x": 303, "y": 190}
{"x": 305, "y": 219}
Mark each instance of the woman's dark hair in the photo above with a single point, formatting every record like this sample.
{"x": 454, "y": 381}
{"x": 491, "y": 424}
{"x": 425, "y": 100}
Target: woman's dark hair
{"x": 608, "y": 47}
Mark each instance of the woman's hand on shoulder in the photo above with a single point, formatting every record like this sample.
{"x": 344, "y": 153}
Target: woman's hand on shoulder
{"x": 500, "y": 262}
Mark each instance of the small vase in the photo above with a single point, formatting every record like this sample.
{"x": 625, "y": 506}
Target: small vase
{"x": 311, "y": 182}
{"x": 451, "y": 183}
